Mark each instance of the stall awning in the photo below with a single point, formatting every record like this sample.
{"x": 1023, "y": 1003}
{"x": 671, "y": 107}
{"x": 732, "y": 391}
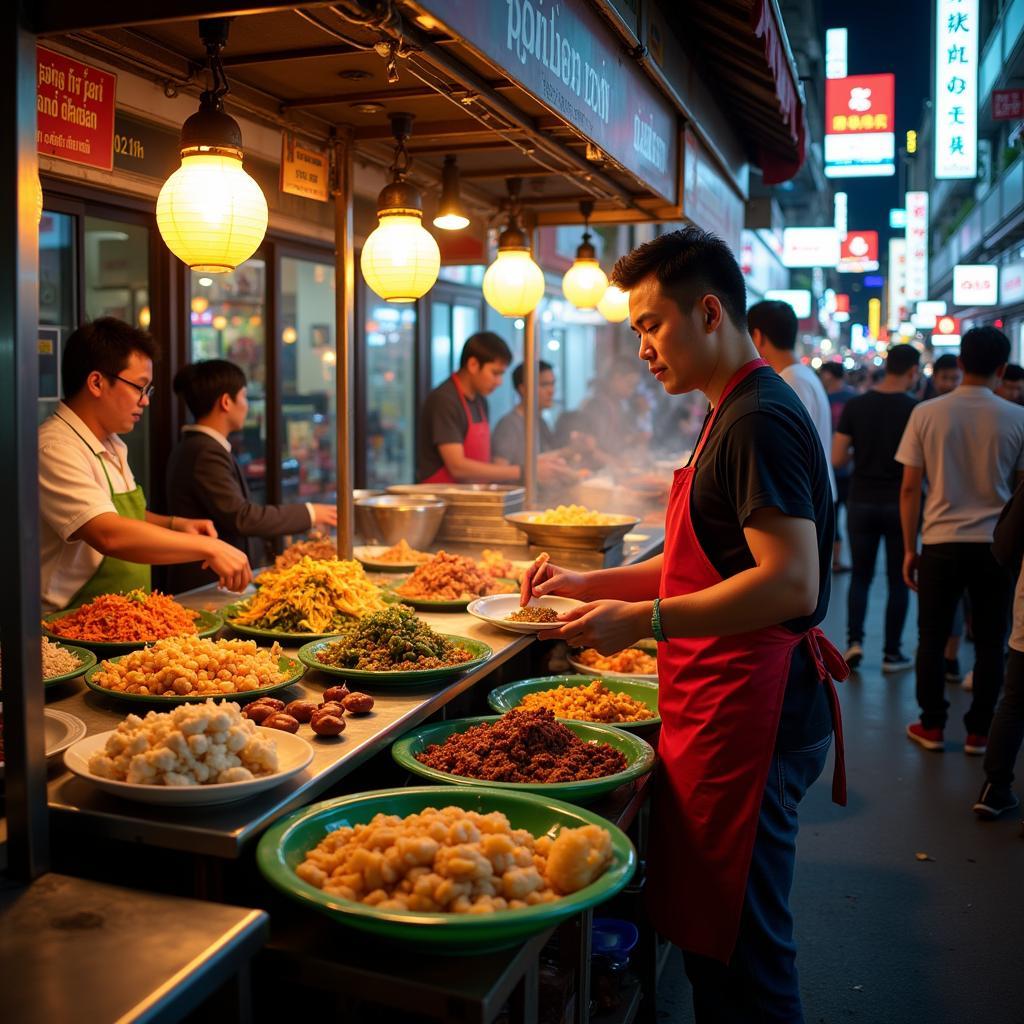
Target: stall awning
{"x": 743, "y": 53}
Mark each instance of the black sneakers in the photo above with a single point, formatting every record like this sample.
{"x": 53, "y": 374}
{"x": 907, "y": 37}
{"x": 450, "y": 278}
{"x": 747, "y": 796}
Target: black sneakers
{"x": 896, "y": 662}
{"x": 953, "y": 670}
{"x": 995, "y": 800}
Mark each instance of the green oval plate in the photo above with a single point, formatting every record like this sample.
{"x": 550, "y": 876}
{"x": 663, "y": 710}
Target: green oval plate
{"x": 207, "y": 623}
{"x": 424, "y": 605}
{"x": 639, "y": 759}
{"x": 86, "y": 660}
{"x": 505, "y": 698}
{"x": 285, "y": 845}
{"x": 290, "y": 665}
{"x": 480, "y": 651}
{"x": 280, "y": 635}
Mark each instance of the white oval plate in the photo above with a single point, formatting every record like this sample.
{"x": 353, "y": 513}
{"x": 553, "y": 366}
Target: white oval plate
{"x": 60, "y": 730}
{"x": 293, "y": 755}
{"x": 369, "y": 555}
{"x": 494, "y": 609}
{"x": 650, "y": 677}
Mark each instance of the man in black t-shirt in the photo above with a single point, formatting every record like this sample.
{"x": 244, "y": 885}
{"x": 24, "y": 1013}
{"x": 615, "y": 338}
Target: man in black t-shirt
{"x": 869, "y": 433}
{"x": 734, "y": 603}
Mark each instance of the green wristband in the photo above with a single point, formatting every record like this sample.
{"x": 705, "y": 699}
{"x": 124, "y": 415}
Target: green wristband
{"x": 656, "y": 630}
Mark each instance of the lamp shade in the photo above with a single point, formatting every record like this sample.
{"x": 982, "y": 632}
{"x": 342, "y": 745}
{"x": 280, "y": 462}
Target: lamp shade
{"x": 614, "y": 305}
{"x": 513, "y": 284}
{"x": 400, "y": 260}
{"x": 585, "y": 283}
{"x": 211, "y": 214}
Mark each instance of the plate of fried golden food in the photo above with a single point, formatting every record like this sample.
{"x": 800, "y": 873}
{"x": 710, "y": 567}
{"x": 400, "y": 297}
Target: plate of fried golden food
{"x": 631, "y": 663}
{"x": 624, "y": 703}
{"x": 312, "y": 598}
{"x": 504, "y": 611}
{"x": 399, "y": 557}
{"x": 449, "y": 582}
{"x": 187, "y": 670}
{"x": 475, "y": 869}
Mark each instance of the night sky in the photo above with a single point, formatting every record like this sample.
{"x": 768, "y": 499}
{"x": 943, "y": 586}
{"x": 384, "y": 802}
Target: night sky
{"x": 884, "y": 35}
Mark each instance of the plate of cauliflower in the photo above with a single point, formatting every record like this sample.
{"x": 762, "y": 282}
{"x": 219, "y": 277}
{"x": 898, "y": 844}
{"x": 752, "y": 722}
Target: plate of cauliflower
{"x": 445, "y": 870}
{"x": 194, "y": 755}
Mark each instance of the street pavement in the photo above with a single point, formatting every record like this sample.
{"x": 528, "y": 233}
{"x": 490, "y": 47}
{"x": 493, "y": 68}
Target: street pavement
{"x": 886, "y": 937}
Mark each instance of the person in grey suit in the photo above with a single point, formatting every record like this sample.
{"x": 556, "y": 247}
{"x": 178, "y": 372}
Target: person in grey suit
{"x": 204, "y": 479}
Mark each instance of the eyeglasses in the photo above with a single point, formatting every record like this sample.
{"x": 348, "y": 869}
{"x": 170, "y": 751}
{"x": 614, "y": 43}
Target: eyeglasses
{"x": 145, "y": 391}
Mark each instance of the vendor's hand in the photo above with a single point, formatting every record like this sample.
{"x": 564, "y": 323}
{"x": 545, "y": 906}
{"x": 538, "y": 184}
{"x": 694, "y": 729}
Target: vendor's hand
{"x": 325, "y": 515}
{"x": 544, "y": 578}
{"x": 910, "y": 563}
{"x": 200, "y": 527}
{"x": 553, "y": 469}
{"x": 230, "y": 566}
{"x": 607, "y": 626}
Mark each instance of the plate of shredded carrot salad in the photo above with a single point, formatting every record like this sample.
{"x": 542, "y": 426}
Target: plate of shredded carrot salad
{"x": 311, "y": 599}
{"x": 129, "y": 620}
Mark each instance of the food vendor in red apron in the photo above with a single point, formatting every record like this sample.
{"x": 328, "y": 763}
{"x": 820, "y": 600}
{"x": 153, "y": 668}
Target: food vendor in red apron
{"x": 746, "y": 692}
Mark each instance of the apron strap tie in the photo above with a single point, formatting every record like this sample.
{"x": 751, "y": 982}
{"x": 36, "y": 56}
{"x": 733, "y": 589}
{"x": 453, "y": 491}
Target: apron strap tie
{"x": 831, "y": 665}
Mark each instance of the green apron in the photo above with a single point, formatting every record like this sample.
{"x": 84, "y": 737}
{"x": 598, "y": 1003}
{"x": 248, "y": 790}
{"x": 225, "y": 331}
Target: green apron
{"x": 114, "y": 575}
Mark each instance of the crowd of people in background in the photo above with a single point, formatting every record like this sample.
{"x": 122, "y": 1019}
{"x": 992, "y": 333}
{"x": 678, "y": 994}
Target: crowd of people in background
{"x": 931, "y": 468}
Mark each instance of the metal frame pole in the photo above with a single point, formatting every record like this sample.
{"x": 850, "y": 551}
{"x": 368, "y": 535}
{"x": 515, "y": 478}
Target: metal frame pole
{"x": 24, "y": 743}
{"x": 344, "y": 306}
{"x": 530, "y": 403}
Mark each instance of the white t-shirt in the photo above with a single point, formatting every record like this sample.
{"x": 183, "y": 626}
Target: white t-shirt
{"x": 72, "y": 490}
{"x": 970, "y": 444}
{"x": 804, "y": 381}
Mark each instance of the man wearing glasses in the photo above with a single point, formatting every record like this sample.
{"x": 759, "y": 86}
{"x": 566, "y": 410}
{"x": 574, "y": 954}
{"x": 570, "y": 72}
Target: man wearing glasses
{"x": 96, "y": 534}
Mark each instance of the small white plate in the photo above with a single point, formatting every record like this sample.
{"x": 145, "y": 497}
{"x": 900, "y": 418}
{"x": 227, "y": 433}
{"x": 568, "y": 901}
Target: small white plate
{"x": 587, "y": 670}
{"x": 369, "y": 555}
{"x": 494, "y": 610}
{"x": 293, "y": 755}
{"x": 60, "y": 730}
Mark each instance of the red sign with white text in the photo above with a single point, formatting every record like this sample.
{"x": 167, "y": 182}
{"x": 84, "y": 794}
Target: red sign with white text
{"x": 859, "y": 245}
{"x": 947, "y": 325}
{"x": 842, "y": 303}
{"x": 74, "y": 110}
{"x": 860, "y": 103}
{"x": 1007, "y": 104}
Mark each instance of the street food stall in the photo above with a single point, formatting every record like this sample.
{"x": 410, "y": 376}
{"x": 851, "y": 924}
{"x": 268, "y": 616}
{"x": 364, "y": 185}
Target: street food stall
{"x": 486, "y": 119}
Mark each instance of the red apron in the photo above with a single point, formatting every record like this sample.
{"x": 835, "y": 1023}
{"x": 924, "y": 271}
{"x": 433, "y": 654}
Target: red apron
{"x": 720, "y": 700}
{"x": 476, "y": 444}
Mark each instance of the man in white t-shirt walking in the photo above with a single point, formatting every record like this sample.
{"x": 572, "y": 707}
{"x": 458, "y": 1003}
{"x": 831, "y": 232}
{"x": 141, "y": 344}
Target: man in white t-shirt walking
{"x": 969, "y": 445}
{"x": 773, "y": 327}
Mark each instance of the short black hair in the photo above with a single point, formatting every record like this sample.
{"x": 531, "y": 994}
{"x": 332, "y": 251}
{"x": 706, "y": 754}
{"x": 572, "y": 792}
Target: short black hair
{"x": 1014, "y": 371}
{"x": 103, "y": 345}
{"x": 901, "y": 358}
{"x": 948, "y": 361}
{"x": 485, "y": 347}
{"x": 983, "y": 350}
{"x": 201, "y": 384}
{"x": 776, "y": 320}
{"x": 833, "y": 369}
{"x": 687, "y": 264}
{"x": 519, "y": 373}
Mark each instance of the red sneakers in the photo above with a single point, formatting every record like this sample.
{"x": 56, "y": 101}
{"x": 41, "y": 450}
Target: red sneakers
{"x": 930, "y": 739}
{"x": 975, "y": 743}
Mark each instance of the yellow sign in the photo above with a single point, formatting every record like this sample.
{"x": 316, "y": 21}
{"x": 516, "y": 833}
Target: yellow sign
{"x": 305, "y": 169}
{"x": 874, "y": 317}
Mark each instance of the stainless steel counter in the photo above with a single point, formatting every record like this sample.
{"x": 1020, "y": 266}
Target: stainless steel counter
{"x": 223, "y": 832}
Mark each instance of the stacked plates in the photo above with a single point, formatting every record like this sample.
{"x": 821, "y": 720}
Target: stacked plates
{"x": 476, "y": 512}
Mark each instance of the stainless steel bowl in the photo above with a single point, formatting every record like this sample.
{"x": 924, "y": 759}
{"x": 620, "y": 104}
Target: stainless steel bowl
{"x": 589, "y": 538}
{"x": 388, "y": 518}
{"x": 359, "y": 494}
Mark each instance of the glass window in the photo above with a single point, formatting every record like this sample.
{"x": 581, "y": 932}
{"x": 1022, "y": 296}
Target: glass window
{"x": 308, "y": 385}
{"x": 440, "y": 343}
{"x": 228, "y": 322}
{"x": 390, "y": 385}
{"x": 116, "y": 258}
{"x": 56, "y": 300}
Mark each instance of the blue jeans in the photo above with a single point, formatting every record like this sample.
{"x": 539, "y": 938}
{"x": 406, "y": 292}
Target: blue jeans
{"x": 867, "y": 525}
{"x": 760, "y": 985}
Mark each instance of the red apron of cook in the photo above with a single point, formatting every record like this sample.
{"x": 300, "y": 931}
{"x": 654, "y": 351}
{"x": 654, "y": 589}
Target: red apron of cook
{"x": 720, "y": 700}
{"x": 476, "y": 444}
